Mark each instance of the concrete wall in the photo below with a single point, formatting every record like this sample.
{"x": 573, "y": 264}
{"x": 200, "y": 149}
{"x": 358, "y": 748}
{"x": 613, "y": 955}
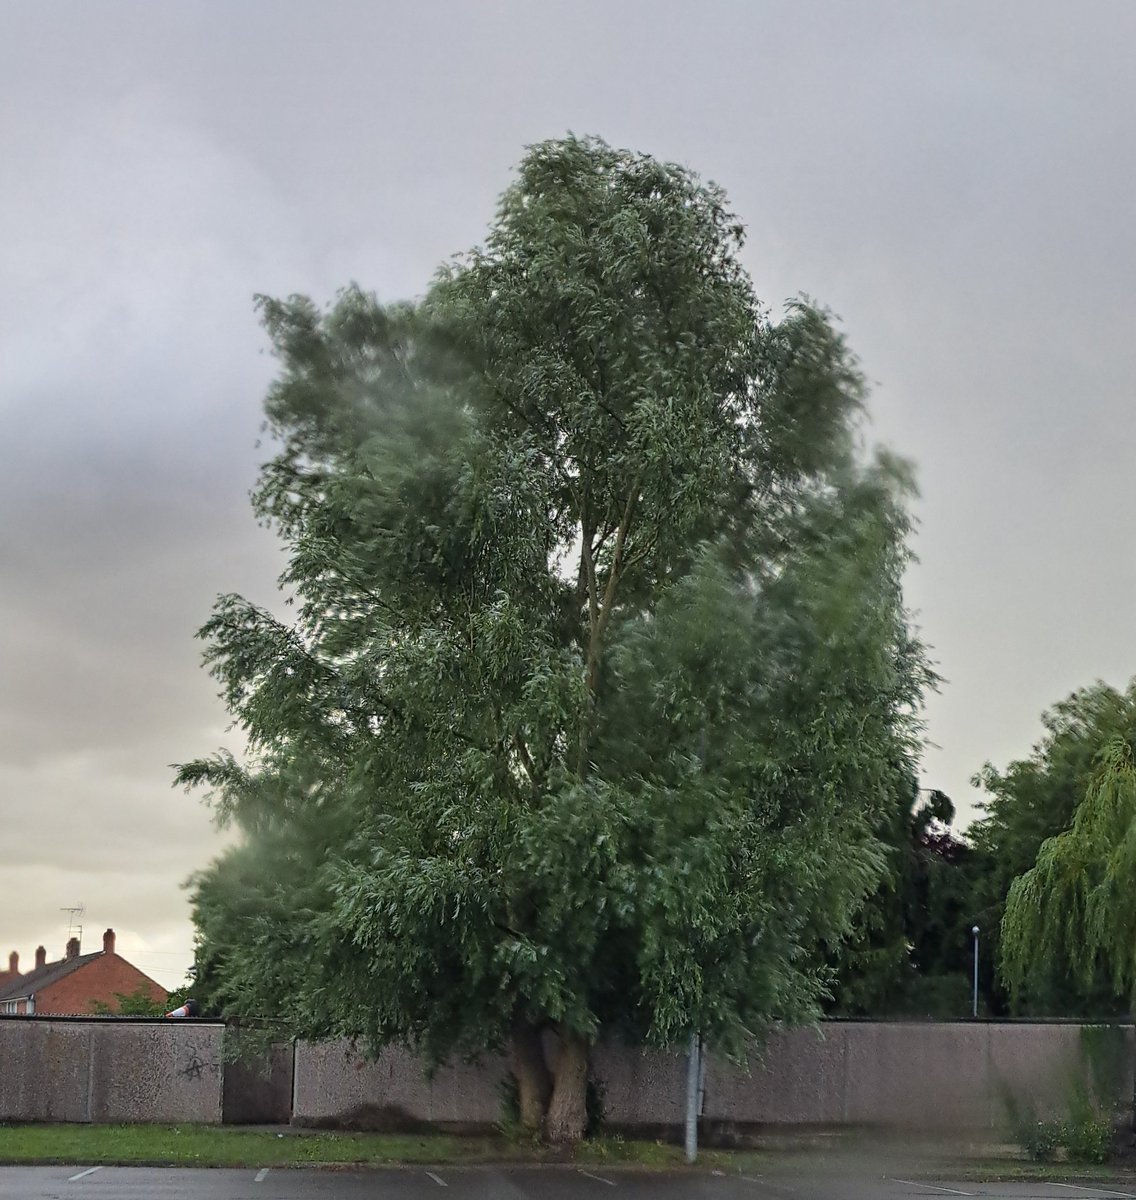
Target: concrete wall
{"x": 109, "y": 1071}
{"x": 887, "y": 1075}
{"x": 912, "y": 1076}
{"x": 258, "y": 1089}
{"x": 642, "y": 1089}
{"x": 930, "y": 1077}
{"x": 336, "y": 1086}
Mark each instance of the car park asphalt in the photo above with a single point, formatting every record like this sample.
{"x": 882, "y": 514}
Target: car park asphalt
{"x": 506, "y": 1183}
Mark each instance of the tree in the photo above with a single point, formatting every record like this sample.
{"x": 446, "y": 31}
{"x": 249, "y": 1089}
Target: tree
{"x": 599, "y": 675}
{"x": 939, "y": 913}
{"x": 909, "y": 954}
{"x": 1073, "y": 911}
{"x": 1035, "y": 800}
{"x": 139, "y": 1003}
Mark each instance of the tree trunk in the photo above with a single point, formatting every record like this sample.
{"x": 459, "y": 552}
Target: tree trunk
{"x": 534, "y": 1083}
{"x": 568, "y": 1108}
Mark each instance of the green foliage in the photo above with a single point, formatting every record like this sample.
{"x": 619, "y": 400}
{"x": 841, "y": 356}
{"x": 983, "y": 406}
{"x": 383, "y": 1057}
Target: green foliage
{"x": 1041, "y": 1140}
{"x": 1088, "y": 1140}
{"x": 181, "y": 994}
{"x": 231, "y": 1146}
{"x": 133, "y": 1004}
{"x": 509, "y": 1123}
{"x": 1105, "y": 1051}
{"x": 1085, "y": 1138}
{"x": 911, "y": 952}
{"x": 1093, "y": 1092}
{"x": 596, "y": 1107}
{"x": 1095, "y": 1095}
{"x": 1075, "y": 909}
{"x": 1033, "y": 800}
{"x": 599, "y": 679}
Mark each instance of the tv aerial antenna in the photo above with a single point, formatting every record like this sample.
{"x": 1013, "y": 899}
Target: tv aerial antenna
{"x": 74, "y": 916}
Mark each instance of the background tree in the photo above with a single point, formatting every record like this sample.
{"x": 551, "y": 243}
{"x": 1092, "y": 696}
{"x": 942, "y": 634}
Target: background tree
{"x": 1073, "y": 912}
{"x": 909, "y": 954}
{"x": 1034, "y": 800}
{"x": 139, "y": 1003}
{"x": 599, "y": 677}
{"x": 940, "y": 914}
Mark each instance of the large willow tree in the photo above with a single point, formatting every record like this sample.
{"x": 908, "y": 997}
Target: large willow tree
{"x": 1035, "y": 799}
{"x": 1074, "y": 911}
{"x": 598, "y": 678}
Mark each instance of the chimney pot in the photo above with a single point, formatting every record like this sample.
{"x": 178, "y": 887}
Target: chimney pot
{"x": 41, "y": 957}
{"x": 73, "y": 948}
{"x": 108, "y": 942}
{"x": 14, "y": 963}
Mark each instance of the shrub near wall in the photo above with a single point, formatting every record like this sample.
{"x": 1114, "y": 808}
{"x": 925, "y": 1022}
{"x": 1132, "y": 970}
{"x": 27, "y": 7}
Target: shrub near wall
{"x": 1096, "y": 1089}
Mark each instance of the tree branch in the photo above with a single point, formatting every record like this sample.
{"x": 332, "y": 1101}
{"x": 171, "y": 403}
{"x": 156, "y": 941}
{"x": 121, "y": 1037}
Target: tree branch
{"x": 599, "y": 615}
{"x": 616, "y": 558}
{"x": 526, "y": 761}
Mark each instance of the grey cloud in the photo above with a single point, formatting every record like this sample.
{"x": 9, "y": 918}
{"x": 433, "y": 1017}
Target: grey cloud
{"x": 954, "y": 180}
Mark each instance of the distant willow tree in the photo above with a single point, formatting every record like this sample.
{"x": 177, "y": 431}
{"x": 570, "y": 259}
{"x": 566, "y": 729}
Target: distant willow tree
{"x": 1035, "y": 800}
{"x": 1074, "y": 911}
{"x": 599, "y": 677}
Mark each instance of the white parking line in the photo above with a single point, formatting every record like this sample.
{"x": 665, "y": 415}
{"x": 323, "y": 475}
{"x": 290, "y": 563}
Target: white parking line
{"x": 934, "y": 1187}
{"x": 261, "y": 1175}
{"x": 1099, "y": 1191}
{"x": 597, "y": 1178}
{"x": 437, "y": 1179}
{"x": 82, "y": 1174}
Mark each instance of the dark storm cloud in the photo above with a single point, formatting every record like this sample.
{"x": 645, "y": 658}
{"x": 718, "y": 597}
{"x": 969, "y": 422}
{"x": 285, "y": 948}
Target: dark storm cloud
{"x": 954, "y": 180}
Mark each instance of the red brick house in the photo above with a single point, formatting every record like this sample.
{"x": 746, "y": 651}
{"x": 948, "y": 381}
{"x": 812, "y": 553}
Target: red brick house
{"x": 75, "y": 984}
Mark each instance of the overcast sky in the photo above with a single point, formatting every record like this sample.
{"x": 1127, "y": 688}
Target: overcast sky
{"x": 955, "y": 180}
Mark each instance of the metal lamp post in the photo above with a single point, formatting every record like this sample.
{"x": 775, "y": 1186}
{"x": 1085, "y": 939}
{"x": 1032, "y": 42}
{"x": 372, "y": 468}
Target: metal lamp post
{"x": 694, "y": 1054}
{"x": 693, "y": 1072}
{"x": 974, "y": 1005}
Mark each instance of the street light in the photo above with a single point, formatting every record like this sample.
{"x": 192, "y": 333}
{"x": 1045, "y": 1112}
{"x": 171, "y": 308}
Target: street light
{"x": 974, "y": 1006}
{"x": 693, "y": 1074}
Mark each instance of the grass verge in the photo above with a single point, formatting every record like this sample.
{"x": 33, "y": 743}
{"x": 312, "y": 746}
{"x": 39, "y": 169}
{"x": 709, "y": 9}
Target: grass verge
{"x": 220, "y": 1146}
{"x": 1001, "y": 1171}
{"x": 210, "y": 1146}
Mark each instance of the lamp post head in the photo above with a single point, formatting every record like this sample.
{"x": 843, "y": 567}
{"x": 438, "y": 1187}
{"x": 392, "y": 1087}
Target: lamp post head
{"x": 975, "y": 931}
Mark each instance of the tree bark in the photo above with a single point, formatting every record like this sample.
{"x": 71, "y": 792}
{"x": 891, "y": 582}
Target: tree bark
{"x": 568, "y": 1108}
{"x": 599, "y": 614}
{"x": 534, "y": 1083}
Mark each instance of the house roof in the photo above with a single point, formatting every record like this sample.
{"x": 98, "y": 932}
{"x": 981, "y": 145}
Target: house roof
{"x": 41, "y": 977}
